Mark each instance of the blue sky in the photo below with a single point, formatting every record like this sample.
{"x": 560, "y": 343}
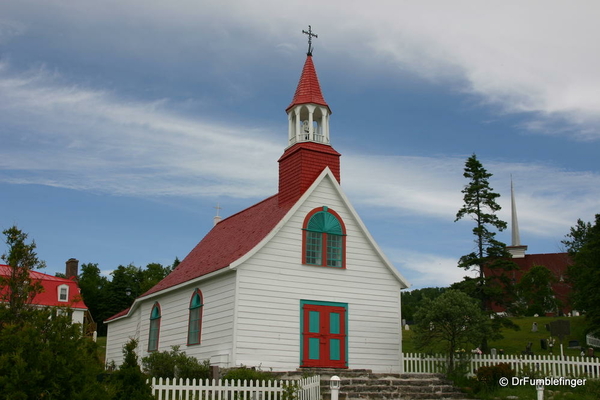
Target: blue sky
{"x": 123, "y": 123}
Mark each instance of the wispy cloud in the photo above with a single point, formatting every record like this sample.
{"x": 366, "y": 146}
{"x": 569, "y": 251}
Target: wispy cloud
{"x": 549, "y": 199}
{"x": 534, "y": 58}
{"x": 426, "y": 270}
{"x": 90, "y": 140}
{"x": 86, "y": 139}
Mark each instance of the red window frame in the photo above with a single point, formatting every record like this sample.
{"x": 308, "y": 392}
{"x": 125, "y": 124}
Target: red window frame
{"x": 200, "y": 310}
{"x": 154, "y": 326}
{"x": 324, "y": 235}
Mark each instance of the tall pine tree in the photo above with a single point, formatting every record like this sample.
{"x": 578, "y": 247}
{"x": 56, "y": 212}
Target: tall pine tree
{"x": 489, "y": 259}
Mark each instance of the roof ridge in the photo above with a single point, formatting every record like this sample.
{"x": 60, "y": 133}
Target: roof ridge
{"x": 43, "y": 275}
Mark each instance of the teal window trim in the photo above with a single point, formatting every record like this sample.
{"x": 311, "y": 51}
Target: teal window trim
{"x": 154, "y": 330}
{"x": 324, "y": 239}
{"x": 195, "y": 319}
{"x": 323, "y": 303}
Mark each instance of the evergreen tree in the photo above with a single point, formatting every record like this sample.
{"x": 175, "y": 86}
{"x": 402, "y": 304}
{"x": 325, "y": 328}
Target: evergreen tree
{"x": 489, "y": 254}
{"x": 489, "y": 259}
{"x": 129, "y": 382}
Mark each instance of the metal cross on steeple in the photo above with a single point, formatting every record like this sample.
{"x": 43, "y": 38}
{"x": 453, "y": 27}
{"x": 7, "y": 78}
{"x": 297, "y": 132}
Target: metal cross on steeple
{"x": 310, "y": 36}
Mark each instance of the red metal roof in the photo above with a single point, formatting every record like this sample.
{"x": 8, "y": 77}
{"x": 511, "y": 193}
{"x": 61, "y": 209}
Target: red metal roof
{"x": 229, "y": 240}
{"x": 308, "y": 90}
{"x": 49, "y": 297}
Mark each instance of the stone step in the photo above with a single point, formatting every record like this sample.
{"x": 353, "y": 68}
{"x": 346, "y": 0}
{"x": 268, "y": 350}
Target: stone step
{"x": 364, "y": 384}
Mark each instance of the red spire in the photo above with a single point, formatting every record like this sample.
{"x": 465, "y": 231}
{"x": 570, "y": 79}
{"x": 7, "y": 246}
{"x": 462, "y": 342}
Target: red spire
{"x": 308, "y": 90}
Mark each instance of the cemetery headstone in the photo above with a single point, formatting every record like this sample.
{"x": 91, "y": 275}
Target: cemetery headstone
{"x": 560, "y": 328}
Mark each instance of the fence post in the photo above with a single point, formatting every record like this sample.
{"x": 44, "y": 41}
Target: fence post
{"x": 334, "y": 385}
{"x": 540, "y": 392}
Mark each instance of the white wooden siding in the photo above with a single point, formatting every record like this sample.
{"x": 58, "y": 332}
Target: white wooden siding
{"x": 119, "y": 333}
{"x": 272, "y": 282}
{"x": 217, "y": 322}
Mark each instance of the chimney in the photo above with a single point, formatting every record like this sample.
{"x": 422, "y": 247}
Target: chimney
{"x": 72, "y": 269}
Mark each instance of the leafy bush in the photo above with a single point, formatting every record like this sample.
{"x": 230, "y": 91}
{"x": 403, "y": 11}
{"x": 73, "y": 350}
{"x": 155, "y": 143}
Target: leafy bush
{"x": 249, "y": 374}
{"x": 489, "y": 376}
{"x": 45, "y": 355}
{"x": 175, "y": 364}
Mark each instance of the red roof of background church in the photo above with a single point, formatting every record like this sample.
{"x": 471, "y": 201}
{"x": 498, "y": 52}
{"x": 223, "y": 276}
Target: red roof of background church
{"x": 227, "y": 241}
{"x": 308, "y": 90}
{"x": 49, "y": 297}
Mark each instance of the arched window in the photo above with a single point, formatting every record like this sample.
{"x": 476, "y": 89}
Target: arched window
{"x": 324, "y": 239}
{"x": 154, "y": 328}
{"x": 195, "y": 323}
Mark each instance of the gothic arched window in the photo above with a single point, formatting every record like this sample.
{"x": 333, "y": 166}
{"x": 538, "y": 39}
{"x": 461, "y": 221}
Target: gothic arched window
{"x": 195, "y": 322}
{"x": 154, "y": 328}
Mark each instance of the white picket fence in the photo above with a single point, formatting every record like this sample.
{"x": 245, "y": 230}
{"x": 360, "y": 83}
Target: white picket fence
{"x": 547, "y": 365}
{"x": 179, "y": 389}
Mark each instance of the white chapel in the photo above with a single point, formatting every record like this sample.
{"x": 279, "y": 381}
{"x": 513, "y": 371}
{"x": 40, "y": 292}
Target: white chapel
{"x": 294, "y": 281}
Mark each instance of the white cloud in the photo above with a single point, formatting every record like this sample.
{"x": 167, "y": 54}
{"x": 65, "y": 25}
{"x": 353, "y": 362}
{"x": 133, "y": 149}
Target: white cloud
{"x": 426, "y": 270}
{"x": 536, "y": 57}
{"x": 85, "y": 139}
{"x": 91, "y": 140}
{"x": 549, "y": 200}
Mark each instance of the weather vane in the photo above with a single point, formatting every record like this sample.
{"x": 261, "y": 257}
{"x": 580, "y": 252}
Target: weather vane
{"x": 310, "y": 36}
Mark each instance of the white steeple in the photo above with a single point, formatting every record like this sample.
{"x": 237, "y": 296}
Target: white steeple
{"x": 515, "y": 249}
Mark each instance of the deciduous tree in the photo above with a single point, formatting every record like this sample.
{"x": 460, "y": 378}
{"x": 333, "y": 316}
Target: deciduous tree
{"x": 42, "y": 353}
{"x": 535, "y": 291}
{"x": 17, "y": 288}
{"x": 584, "y": 247}
{"x": 450, "y": 322}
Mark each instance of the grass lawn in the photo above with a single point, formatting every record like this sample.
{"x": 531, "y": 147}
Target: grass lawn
{"x": 514, "y": 342}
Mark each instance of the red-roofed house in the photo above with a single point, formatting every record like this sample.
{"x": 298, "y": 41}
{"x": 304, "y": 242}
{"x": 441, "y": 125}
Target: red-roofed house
{"x": 58, "y": 292}
{"x": 296, "y": 280}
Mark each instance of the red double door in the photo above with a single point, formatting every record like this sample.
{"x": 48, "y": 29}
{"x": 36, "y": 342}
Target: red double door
{"x": 323, "y": 336}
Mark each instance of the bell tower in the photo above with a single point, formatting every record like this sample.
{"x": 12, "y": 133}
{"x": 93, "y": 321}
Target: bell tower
{"x": 309, "y": 149}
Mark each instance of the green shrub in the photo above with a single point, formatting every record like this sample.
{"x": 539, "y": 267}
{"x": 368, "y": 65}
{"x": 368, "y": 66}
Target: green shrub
{"x": 248, "y": 374}
{"x": 129, "y": 382}
{"x": 45, "y": 355}
{"x": 489, "y": 377}
{"x": 175, "y": 364}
